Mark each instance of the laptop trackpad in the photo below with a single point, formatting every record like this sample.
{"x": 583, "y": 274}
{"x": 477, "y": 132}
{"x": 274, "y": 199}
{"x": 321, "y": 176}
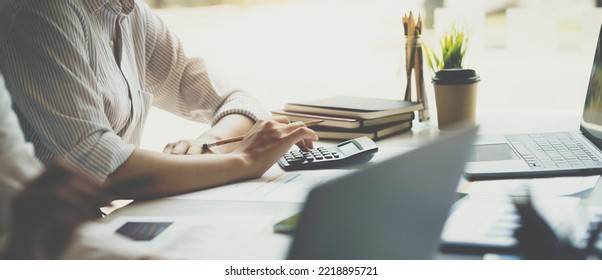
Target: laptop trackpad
{"x": 494, "y": 159}
{"x": 493, "y": 152}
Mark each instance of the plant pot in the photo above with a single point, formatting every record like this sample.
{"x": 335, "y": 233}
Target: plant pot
{"x": 456, "y": 97}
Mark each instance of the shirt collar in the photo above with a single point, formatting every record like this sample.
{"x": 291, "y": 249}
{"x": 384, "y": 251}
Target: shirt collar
{"x": 94, "y": 5}
{"x": 120, "y": 6}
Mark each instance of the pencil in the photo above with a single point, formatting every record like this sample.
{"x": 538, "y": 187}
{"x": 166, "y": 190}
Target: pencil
{"x": 239, "y": 138}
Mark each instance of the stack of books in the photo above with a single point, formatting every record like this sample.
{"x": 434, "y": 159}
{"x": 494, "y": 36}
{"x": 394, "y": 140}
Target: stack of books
{"x": 348, "y": 117}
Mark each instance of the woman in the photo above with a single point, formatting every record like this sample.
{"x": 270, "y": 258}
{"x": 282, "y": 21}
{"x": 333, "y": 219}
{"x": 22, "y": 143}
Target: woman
{"x": 83, "y": 75}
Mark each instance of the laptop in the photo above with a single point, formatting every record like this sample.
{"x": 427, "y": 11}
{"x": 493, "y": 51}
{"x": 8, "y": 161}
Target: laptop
{"x": 394, "y": 209}
{"x": 547, "y": 154}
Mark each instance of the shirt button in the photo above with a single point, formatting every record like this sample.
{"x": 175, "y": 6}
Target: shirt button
{"x": 111, "y": 43}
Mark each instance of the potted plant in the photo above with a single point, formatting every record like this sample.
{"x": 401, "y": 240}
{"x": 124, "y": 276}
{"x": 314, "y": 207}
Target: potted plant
{"x": 455, "y": 86}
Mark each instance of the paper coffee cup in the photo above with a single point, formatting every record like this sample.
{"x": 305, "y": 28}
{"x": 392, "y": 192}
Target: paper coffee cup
{"x": 456, "y": 97}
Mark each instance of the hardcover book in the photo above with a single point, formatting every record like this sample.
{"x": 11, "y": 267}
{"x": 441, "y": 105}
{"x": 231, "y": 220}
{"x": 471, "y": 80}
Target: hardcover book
{"x": 374, "y": 133}
{"x": 354, "y": 107}
{"x": 341, "y": 122}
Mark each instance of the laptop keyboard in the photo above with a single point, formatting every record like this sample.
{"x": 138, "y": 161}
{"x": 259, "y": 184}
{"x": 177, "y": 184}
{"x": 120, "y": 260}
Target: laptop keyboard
{"x": 553, "y": 150}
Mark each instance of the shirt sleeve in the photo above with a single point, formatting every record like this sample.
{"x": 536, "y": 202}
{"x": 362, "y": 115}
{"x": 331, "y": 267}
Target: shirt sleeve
{"x": 55, "y": 91}
{"x": 185, "y": 86}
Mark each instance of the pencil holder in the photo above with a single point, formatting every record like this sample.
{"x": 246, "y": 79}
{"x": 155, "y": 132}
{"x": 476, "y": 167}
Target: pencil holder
{"x": 410, "y": 70}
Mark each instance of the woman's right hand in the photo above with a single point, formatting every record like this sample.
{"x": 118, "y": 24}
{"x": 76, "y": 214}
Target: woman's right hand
{"x": 269, "y": 140}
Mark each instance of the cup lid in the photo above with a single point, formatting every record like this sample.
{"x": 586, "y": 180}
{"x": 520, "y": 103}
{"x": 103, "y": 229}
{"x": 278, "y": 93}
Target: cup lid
{"x": 456, "y": 77}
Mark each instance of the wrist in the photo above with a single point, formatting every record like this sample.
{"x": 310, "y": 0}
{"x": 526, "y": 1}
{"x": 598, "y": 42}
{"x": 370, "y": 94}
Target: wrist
{"x": 246, "y": 166}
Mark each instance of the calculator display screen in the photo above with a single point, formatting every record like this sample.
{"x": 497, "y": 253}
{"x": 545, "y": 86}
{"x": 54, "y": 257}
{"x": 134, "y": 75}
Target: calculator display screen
{"x": 349, "y": 148}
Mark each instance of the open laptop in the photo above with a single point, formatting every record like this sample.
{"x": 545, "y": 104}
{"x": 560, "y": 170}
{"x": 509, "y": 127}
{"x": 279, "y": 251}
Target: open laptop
{"x": 394, "y": 209}
{"x": 547, "y": 154}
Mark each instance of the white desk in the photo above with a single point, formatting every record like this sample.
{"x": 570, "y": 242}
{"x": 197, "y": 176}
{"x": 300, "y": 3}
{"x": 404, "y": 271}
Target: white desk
{"x": 267, "y": 244}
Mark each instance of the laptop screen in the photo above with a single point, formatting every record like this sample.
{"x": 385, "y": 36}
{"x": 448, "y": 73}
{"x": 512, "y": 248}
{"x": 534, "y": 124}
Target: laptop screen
{"x": 591, "y": 122}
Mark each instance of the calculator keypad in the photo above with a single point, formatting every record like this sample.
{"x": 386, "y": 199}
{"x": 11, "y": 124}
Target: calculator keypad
{"x": 316, "y": 154}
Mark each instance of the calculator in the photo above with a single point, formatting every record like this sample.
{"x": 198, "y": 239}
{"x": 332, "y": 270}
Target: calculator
{"x": 350, "y": 151}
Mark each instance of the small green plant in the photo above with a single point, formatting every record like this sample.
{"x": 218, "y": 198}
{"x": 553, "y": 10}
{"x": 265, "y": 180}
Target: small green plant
{"x": 453, "y": 48}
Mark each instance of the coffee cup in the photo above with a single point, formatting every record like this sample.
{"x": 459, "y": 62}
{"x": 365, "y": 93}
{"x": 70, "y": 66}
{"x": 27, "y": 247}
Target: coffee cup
{"x": 456, "y": 97}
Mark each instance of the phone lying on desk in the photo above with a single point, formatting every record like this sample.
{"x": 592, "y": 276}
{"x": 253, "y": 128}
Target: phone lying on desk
{"x": 358, "y": 149}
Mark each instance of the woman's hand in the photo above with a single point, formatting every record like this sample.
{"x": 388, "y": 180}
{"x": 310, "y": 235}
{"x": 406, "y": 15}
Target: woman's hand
{"x": 229, "y": 126}
{"x": 268, "y": 140}
{"x": 193, "y": 147}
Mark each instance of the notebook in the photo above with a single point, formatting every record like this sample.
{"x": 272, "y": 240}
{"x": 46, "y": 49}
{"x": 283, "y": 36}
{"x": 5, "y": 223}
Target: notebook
{"x": 394, "y": 209}
{"x": 547, "y": 154}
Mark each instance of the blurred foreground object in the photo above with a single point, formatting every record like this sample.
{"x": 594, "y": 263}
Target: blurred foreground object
{"x": 538, "y": 241}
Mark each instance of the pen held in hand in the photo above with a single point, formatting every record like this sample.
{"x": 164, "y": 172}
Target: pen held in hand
{"x": 239, "y": 138}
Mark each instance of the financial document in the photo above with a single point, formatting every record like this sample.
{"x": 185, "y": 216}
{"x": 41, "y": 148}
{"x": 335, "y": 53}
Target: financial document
{"x": 199, "y": 237}
{"x": 276, "y": 185}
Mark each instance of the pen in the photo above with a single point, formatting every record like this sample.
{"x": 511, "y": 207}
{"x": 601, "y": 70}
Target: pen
{"x": 239, "y": 138}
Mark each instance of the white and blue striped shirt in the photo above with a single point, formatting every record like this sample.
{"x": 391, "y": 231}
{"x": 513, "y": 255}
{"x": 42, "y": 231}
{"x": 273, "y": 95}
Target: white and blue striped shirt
{"x": 83, "y": 74}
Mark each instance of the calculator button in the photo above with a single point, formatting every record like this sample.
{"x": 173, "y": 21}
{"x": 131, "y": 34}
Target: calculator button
{"x": 328, "y": 156}
{"x": 296, "y": 160}
{"x": 319, "y": 157}
{"x": 335, "y": 155}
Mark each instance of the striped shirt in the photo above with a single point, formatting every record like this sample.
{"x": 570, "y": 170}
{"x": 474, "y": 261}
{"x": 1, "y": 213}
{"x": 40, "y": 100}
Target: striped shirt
{"x": 83, "y": 74}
